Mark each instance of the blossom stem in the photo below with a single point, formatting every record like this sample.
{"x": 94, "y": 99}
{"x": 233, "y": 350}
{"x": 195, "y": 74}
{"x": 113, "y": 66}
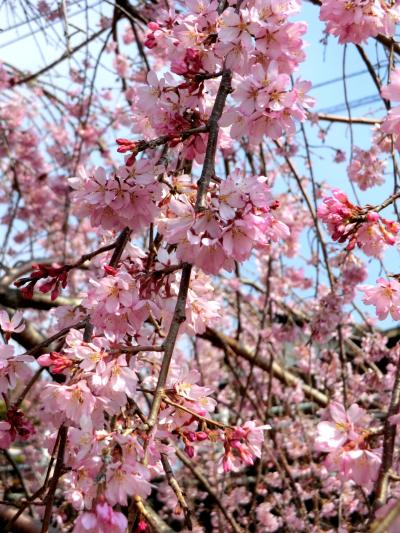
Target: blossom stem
{"x": 196, "y": 415}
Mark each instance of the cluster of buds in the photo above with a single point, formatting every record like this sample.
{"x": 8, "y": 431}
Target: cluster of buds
{"x": 15, "y": 426}
{"x": 190, "y": 65}
{"x": 125, "y": 145}
{"x": 242, "y": 445}
{"x": 189, "y": 437}
{"x": 151, "y": 39}
{"x": 357, "y": 225}
{"x": 56, "y": 361}
{"x": 58, "y": 278}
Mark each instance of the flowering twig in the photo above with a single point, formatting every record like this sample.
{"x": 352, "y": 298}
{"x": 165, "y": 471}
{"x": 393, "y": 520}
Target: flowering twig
{"x": 203, "y": 183}
{"x": 208, "y": 421}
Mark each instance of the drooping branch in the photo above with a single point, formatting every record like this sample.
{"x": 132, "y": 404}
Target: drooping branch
{"x": 177, "y": 489}
{"x": 389, "y": 437}
{"x": 58, "y": 471}
{"x": 15, "y": 299}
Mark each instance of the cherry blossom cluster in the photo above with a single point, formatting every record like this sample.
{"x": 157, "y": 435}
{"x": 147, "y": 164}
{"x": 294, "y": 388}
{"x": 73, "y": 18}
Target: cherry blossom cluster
{"x": 363, "y": 227}
{"x": 385, "y": 296}
{"x": 355, "y": 21}
{"x": 127, "y": 198}
{"x": 259, "y": 45}
{"x": 344, "y": 436}
{"x": 366, "y": 169}
{"x": 238, "y": 216}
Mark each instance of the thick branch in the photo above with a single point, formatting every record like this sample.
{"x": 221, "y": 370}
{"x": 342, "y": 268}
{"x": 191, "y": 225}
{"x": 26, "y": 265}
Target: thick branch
{"x": 285, "y": 376}
{"x": 23, "y": 524}
{"x": 16, "y": 300}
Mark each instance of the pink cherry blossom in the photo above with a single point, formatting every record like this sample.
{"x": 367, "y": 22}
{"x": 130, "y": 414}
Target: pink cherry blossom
{"x": 103, "y": 519}
{"x": 385, "y": 296}
{"x": 366, "y": 169}
{"x": 357, "y": 20}
{"x": 344, "y": 426}
{"x": 125, "y": 480}
{"x": 10, "y": 326}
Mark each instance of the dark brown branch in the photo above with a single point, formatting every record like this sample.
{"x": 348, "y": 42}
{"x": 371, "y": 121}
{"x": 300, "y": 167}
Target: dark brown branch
{"x": 209, "y": 162}
{"x": 19, "y": 476}
{"x": 142, "y": 145}
{"x": 207, "y": 173}
{"x": 371, "y": 70}
{"x": 169, "y": 343}
{"x": 58, "y": 470}
{"x": 139, "y": 45}
{"x": 34, "y": 350}
{"x": 120, "y": 244}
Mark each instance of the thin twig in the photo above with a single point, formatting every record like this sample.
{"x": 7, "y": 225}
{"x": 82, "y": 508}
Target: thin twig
{"x": 208, "y": 488}
{"x": 173, "y": 483}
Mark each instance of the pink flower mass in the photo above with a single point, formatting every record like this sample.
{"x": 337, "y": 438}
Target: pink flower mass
{"x": 199, "y": 266}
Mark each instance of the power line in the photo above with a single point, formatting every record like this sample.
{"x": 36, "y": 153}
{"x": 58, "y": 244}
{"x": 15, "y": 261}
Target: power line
{"x": 353, "y": 104}
{"x": 352, "y": 75}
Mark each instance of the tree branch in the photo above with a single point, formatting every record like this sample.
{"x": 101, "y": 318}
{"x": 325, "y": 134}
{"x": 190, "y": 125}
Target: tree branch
{"x": 285, "y": 376}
